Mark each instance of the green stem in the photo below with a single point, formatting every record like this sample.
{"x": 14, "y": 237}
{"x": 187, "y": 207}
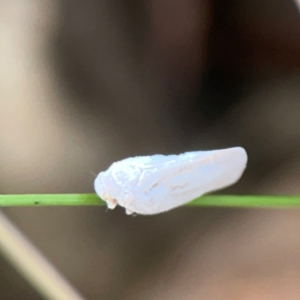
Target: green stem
{"x": 50, "y": 200}
{"x": 92, "y": 199}
{"x": 247, "y": 201}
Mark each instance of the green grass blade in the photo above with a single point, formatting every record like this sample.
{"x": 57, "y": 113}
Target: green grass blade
{"x": 50, "y": 200}
{"x": 208, "y": 201}
{"x": 247, "y": 201}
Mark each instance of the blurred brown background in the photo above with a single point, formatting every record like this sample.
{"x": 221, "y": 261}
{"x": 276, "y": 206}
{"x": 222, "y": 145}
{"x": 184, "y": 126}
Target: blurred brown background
{"x": 86, "y": 83}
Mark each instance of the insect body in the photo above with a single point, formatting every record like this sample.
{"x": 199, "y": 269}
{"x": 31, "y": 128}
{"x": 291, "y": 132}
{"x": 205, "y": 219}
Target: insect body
{"x": 150, "y": 185}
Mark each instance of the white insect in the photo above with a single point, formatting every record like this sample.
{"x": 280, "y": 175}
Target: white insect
{"x": 150, "y": 185}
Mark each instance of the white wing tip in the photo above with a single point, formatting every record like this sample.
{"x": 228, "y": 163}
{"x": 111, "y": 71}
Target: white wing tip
{"x": 239, "y": 158}
{"x": 238, "y": 153}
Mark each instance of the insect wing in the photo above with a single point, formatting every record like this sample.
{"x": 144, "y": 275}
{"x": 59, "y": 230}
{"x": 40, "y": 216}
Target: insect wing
{"x": 192, "y": 174}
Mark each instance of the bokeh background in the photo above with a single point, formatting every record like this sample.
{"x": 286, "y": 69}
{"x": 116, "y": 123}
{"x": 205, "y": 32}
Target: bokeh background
{"x": 86, "y": 83}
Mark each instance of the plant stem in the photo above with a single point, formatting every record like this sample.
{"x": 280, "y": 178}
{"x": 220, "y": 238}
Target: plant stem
{"x": 50, "y": 200}
{"x": 247, "y": 201}
{"x": 32, "y": 264}
{"x": 209, "y": 200}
